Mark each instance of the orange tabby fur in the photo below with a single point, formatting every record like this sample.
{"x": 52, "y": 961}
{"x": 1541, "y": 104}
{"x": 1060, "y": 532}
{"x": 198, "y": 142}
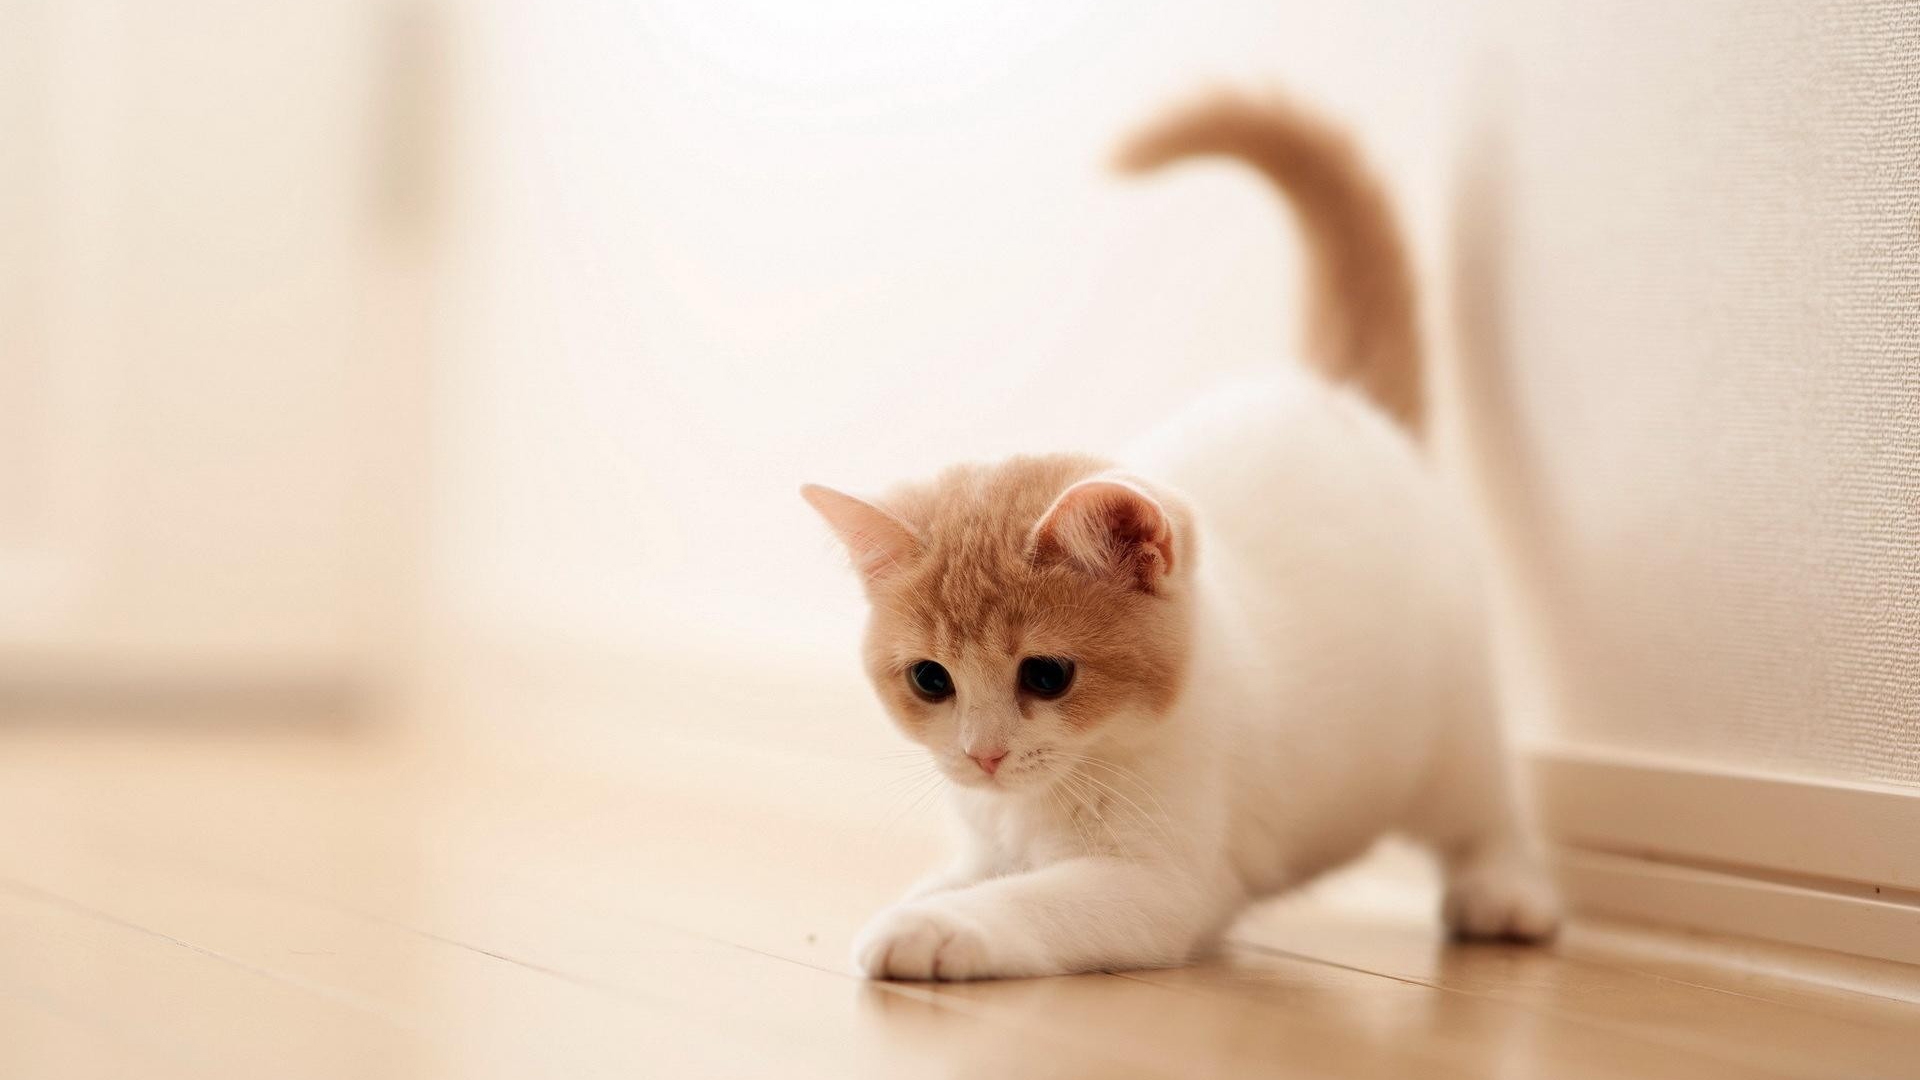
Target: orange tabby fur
{"x": 1362, "y": 322}
{"x": 977, "y": 591}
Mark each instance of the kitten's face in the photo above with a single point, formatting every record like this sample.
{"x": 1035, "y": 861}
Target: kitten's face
{"x": 1023, "y": 614}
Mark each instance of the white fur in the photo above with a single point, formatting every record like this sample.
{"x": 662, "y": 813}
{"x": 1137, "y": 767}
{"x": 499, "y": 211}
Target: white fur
{"x": 1338, "y": 690}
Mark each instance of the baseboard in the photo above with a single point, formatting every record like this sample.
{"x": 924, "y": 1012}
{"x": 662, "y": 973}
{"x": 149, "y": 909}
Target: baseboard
{"x": 1809, "y": 862}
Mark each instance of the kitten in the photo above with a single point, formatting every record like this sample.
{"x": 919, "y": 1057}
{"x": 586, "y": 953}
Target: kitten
{"x": 1166, "y": 690}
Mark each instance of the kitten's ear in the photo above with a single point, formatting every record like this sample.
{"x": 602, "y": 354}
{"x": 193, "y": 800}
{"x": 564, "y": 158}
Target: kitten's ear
{"x": 878, "y": 543}
{"x": 1108, "y": 526}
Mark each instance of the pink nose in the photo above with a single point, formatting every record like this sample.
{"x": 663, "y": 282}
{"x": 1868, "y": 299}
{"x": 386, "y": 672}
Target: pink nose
{"x": 989, "y": 763}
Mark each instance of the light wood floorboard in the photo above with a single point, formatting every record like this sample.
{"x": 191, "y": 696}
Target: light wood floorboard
{"x": 215, "y": 904}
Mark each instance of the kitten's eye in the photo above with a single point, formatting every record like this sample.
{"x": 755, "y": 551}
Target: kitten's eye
{"x": 930, "y": 681}
{"x": 1046, "y": 677}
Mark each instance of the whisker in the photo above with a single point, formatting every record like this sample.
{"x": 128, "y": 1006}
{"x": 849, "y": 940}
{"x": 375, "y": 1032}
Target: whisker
{"x": 912, "y": 797}
{"x": 1113, "y": 837}
{"x": 1159, "y": 825}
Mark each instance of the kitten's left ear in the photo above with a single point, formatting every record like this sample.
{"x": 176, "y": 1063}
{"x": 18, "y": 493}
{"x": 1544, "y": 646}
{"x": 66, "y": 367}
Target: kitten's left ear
{"x": 879, "y": 543}
{"x": 1108, "y": 526}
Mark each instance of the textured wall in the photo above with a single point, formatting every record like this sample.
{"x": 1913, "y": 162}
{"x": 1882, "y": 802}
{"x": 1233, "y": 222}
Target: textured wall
{"x": 1687, "y": 255}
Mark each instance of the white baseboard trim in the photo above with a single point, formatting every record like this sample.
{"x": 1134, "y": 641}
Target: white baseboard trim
{"x": 1810, "y": 862}
{"x": 1626, "y": 887}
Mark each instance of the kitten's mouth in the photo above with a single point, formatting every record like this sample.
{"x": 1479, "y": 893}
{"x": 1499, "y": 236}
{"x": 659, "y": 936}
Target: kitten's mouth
{"x": 1000, "y": 780}
{"x": 974, "y": 778}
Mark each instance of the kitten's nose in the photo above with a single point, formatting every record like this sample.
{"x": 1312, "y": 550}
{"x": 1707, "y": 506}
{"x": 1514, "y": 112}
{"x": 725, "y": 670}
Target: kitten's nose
{"x": 989, "y": 763}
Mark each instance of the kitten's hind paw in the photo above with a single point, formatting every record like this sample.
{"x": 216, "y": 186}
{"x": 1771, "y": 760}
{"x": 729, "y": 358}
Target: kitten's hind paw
{"x": 1497, "y": 899}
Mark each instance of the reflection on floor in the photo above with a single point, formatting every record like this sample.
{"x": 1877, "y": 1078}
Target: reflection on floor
{"x": 287, "y": 906}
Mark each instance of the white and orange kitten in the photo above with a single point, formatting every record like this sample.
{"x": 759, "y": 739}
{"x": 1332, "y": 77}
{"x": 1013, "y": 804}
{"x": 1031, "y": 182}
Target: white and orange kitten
{"x": 1166, "y": 688}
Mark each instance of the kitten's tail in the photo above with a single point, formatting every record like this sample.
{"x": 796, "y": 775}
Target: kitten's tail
{"x": 1362, "y": 323}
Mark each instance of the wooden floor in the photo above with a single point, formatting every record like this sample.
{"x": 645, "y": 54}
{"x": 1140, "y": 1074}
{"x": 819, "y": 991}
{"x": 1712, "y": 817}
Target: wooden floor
{"x": 214, "y": 903}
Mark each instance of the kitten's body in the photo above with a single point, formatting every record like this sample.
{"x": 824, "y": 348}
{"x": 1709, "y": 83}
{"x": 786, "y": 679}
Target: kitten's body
{"x": 1335, "y": 635}
{"x": 1281, "y": 650}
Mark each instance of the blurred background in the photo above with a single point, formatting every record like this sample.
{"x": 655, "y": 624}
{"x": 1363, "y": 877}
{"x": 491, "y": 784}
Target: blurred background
{"x": 415, "y": 656}
{"x": 448, "y": 369}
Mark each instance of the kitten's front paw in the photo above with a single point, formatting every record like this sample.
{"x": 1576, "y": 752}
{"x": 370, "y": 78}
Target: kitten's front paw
{"x": 1508, "y": 899}
{"x": 924, "y": 941}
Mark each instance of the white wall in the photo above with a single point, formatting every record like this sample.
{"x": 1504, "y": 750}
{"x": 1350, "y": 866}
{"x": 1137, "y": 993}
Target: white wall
{"x": 1700, "y": 392}
{"x": 711, "y": 250}
{"x": 719, "y": 248}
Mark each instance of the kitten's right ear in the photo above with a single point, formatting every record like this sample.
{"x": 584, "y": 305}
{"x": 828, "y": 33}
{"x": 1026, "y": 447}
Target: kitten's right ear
{"x": 878, "y": 543}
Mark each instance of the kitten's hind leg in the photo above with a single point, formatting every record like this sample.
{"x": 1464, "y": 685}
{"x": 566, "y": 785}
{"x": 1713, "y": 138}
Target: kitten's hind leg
{"x": 1496, "y": 886}
{"x": 1498, "y": 890}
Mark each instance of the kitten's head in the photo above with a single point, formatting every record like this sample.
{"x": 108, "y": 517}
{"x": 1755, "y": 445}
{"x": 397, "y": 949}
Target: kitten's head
{"x": 1023, "y": 613}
